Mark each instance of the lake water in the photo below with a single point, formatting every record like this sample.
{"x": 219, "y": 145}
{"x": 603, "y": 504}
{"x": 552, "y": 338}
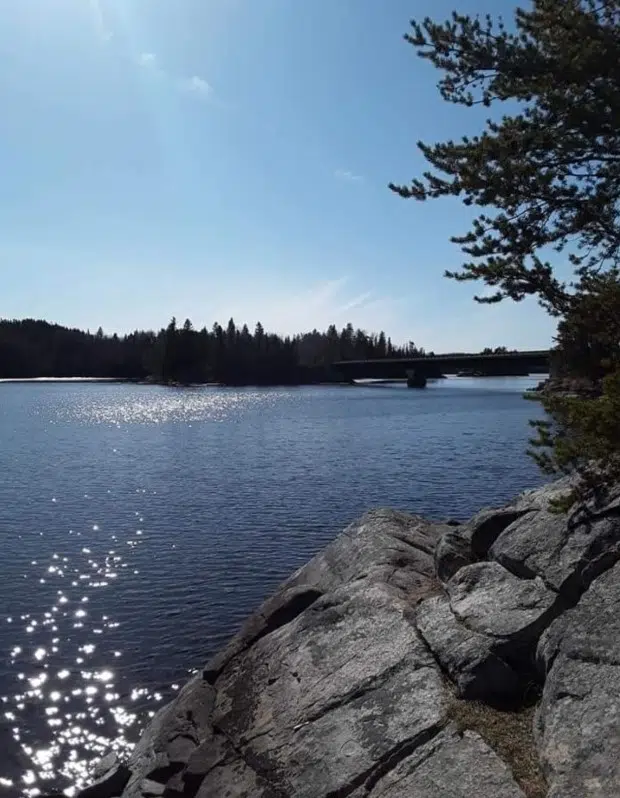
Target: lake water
{"x": 140, "y": 525}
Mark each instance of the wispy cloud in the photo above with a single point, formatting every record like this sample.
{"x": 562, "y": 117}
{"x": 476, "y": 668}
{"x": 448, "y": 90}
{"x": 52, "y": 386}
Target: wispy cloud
{"x": 319, "y": 305}
{"x": 346, "y": 175}
{"x": 147, "y": 60}
{"x": 195, "y": 85}
{"x": 356, "y": 302}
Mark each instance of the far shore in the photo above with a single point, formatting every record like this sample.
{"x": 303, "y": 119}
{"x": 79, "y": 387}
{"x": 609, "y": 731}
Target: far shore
{"x": 63, "y": 379}
{"x": 173, "y": 384}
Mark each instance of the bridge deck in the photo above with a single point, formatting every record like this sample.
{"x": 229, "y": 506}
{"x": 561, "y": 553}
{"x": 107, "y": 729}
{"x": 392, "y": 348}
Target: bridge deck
{"x": 537, "y": 354}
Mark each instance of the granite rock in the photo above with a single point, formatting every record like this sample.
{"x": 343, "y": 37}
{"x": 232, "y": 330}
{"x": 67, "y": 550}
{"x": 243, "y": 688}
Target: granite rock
{"x": 567, "y": 551}
{"x": 326, "y": 700}
{"x": 578, "y": 720}
{"x": 484, "y": 631}
{"x": 490, "y": 600}
{"x": 468, "y": 658}
{"x": 341, "y": 685}
{"x": 110, "y": 785}
{"x": 488, "y": 524}
{"x": 453, "y": 552}
{"x": 450, "y": 765}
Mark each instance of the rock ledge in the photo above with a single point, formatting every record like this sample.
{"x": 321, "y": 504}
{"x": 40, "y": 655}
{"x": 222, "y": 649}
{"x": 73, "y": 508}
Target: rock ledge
{"x": 344, "y": 682}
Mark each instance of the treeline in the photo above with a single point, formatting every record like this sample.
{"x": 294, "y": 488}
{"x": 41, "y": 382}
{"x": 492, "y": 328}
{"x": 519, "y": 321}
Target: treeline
{"x": 232, "y": 355}
{"x": 499, "y": 350}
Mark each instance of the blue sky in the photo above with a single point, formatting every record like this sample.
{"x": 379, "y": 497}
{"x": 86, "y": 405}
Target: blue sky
{"x": 217, "y": 158}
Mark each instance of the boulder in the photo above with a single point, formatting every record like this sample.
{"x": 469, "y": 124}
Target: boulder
{"x": 454, "y": 765}
{"x": 275, "y": 612}
{"x": 453, "y": 551}
{"x": 152, "y": 789}
{"x": 469, "y": 542}
{"x": 171, "y": 737}
{"x": 484, "y": 632}
{"x": 542, "y": 497}
{"x": 488, "y": 524}
{"x": 105, "y": 764}
{"x": 566, "y": 551}
{"x": 385, "y": 546}
{"x": 110, "y": 785}
{"x": 237, "y": 780}
{"x": 578, "y": 721}
{"x": 468, "y": 658}
{"x": 307, "y": 694}
{"x": 490, "y": 600}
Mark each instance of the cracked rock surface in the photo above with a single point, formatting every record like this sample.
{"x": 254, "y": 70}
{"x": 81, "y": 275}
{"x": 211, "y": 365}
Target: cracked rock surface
{"x": 342, "y": 683}
{"x": 578, "y": 720}
{"x": 451, "y": 765}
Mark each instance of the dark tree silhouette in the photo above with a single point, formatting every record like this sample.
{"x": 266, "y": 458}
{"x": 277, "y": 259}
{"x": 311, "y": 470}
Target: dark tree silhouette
{"x": 233, "y": 356}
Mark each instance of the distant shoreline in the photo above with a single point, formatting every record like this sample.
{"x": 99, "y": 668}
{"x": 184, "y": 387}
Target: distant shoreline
{"x": 173, "y": 384}
{"x": 63, "y": 379}
{"x": 161, "y": 383}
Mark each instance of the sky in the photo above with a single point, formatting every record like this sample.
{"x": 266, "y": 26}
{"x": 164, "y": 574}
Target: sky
{"x": 216, "y": 158}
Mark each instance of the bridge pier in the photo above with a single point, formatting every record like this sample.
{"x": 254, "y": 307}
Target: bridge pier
{"x": 415, "y": 379}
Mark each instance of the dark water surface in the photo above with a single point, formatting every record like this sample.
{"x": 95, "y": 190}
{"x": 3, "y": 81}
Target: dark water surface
{"x": 140, "y": 525}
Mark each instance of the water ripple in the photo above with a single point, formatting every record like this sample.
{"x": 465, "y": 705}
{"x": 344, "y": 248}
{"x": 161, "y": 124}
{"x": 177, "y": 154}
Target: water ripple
{"x": 140, "y": 525}
{"x": 185, "y": 405}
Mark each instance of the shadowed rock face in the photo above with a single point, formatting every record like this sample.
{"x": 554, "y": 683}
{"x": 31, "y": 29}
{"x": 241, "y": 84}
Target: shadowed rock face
{"x": 450, "y": 764}
{"x": 341, "y": 684}
{"x": 578, "y": 720}
{"x": 468, "y": 658}
{"x": 567, "y": 553}
{"x": 484, "y": 631}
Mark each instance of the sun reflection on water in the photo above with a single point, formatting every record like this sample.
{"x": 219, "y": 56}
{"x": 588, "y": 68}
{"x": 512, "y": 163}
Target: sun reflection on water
{"x": 65, "y": 716}
{"x": 186, "y": 405}
{"x": 70, "y": 697}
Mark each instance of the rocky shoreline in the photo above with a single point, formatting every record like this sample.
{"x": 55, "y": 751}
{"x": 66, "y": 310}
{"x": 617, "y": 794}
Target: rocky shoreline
{"x": 412, "y": 658}
{"x": 580, "y": 387}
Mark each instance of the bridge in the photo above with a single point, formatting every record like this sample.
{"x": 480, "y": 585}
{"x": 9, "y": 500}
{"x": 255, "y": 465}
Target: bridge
{"x": 417, "y": 370}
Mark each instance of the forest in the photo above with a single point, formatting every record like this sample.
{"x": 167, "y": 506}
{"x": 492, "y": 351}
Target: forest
{"x": 181, "y": 354}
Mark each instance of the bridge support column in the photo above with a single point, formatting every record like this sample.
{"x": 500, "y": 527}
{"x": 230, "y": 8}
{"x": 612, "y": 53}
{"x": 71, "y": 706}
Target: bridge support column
{"x": 415, "y": 379}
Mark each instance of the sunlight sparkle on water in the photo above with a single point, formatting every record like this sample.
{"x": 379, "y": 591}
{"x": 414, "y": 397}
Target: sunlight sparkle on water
{"x": 83, "y": 721}
{"x": 156, "y": 408}
{"x": 64, "y": 708}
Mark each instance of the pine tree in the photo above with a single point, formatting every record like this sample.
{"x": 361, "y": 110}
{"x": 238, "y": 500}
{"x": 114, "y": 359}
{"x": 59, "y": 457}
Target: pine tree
{"x": 546, "y": 175}
{"x": 170, "y": 359}
{"x": 549, "y": 173}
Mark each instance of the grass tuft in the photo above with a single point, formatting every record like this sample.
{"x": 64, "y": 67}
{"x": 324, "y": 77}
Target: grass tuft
{"x": 510, "y": 735}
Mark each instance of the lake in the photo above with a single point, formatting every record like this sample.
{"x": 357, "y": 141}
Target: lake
{"x": 140, "y": 525}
